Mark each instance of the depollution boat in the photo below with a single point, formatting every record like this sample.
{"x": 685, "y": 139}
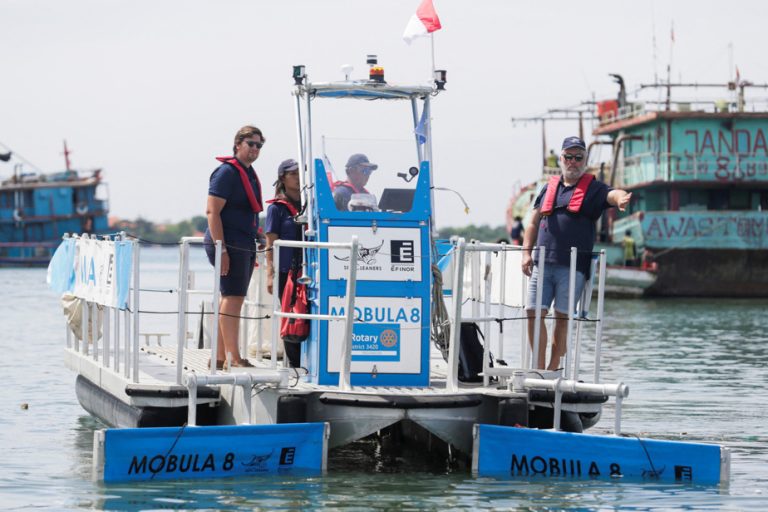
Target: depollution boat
{"x": 393, "y": 347}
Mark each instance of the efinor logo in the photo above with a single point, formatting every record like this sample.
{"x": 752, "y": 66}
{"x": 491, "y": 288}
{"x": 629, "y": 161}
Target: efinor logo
{"x": 388, "y": 338}
{"x": 402, "y": 251}
{"x": 287, "y": 456}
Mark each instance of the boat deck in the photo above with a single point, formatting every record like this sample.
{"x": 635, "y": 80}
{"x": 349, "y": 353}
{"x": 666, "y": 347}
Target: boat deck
{"x": 157, "y": 385}
{"x": 164, "y": 362}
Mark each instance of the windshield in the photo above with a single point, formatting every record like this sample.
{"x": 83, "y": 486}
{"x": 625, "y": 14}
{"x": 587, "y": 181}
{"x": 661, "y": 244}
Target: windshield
{"x": 368, "y": 150}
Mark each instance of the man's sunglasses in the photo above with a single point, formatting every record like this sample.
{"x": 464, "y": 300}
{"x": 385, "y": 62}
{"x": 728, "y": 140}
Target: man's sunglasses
{"x": 578, "y": 158}
{"x": 252, "y": 143}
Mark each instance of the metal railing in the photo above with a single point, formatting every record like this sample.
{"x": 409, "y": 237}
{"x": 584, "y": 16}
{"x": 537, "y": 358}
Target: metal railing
{"x": 628, "y": 111}
{"x": 118, "y": 326}
{"x": 246, "y": 381}
{"x": 349, "y": 312}
{"x": 528, "y": 354}
{"x": 569, "y": 380}
{"x": 122, "y": 326}
{"x": 520, "y": 384}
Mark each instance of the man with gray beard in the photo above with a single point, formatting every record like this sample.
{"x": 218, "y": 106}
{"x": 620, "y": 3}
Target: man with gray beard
{"x": 564, "y": 216}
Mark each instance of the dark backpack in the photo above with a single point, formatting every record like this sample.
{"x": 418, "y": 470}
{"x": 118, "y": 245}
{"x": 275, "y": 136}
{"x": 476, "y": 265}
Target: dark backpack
{"x": 471, "y": 353}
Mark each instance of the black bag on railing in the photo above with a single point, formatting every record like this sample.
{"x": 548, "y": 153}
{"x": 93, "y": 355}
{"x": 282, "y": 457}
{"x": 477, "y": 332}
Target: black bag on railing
{"x": 471, "y": 353}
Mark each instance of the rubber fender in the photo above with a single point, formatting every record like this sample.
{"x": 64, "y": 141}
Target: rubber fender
{"x": 571, "y": 422}
{"x": 292, "y": 409}
{"x": 513, "y": 411}
{"x": 589, "y": 419}
{"x": 542, "y": 417}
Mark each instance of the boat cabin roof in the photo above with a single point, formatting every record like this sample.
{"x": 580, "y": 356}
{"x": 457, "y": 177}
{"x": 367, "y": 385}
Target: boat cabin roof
{"x": 367, "y": 90}
{"x": 650, "y": 116}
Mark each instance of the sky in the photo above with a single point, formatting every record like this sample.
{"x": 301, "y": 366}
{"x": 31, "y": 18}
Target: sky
{"x": 151, "y": 91}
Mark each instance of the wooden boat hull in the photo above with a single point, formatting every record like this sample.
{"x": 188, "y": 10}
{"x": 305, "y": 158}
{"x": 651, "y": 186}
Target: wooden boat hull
{"x": 711, "y": 273}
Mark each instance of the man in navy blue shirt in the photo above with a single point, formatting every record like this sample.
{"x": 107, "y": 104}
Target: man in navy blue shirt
{"x": 233, "y": 206}
{"x": 564, "y": 216}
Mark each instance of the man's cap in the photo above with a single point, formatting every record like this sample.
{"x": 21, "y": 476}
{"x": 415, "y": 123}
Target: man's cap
{"x": 287, "y": 165}
{"x": 574, "y": 142}
{"x": 359, "y": 159}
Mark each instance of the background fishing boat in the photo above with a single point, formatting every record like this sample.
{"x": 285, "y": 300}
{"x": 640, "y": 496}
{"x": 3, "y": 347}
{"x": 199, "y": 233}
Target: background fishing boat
{"x": 36, "y": 209}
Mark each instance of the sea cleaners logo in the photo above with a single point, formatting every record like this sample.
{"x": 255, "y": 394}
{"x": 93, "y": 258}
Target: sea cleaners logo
{"x": 366, "y": 254}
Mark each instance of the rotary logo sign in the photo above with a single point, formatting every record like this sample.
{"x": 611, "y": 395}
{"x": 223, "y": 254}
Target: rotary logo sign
{"x": 388, "y": 338}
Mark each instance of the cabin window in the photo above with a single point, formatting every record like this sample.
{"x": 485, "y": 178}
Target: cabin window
{"x": 656, "y": 200}
{"x": 693, "y": 199}
{"x": 718, "y": 200}
{"x": 34, "y": 232}
{"x": 759, "y": 200}
{"x": 739, "y": 200}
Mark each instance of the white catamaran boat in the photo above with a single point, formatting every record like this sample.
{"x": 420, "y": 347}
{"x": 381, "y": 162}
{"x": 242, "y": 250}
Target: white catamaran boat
{"x": 389, "y": 347}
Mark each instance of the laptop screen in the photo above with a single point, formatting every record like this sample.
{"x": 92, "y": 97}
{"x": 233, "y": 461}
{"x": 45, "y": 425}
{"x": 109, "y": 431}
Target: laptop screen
{"x": 396, "y": 199}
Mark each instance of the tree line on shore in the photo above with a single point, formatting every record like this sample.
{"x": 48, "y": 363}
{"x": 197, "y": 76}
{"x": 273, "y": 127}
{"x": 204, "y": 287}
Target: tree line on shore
{"x": 162, "y": 233}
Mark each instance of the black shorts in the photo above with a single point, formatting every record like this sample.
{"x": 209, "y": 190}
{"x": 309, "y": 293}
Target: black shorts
{"x": 242, "y": 258}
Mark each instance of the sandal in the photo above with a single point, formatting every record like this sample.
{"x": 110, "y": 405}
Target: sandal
{"x": 243, "y": 363}
{"x": 219, "y": 364}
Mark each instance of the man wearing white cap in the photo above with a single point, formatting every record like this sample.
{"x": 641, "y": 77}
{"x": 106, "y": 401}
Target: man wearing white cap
{"x": 359, "y": 169}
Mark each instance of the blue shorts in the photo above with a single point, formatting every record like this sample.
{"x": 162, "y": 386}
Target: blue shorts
{"x": 556, "y": 279}
{"x": 241, "y": 263}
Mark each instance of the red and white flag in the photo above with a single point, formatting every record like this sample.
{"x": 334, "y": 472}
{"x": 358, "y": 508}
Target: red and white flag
{"x": 424, "y": 22}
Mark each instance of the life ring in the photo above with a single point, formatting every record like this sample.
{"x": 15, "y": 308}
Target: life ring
{"x": 81, "y": 208}
{"x": 17, "y": 215}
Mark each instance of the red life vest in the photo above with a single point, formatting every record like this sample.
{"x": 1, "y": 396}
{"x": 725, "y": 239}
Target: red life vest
{"x": 577, "y": 198}
{"x": 280, "y": 200}
{"x": 294, "y": 300}
{"x": 350, "y": 185}
{"x": 256, "y": 205}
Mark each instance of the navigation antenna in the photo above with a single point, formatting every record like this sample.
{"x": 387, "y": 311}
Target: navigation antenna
{"x": 653, "y": 39}
{"x": 669, "y": 64}
{"x": 66, "y": 156}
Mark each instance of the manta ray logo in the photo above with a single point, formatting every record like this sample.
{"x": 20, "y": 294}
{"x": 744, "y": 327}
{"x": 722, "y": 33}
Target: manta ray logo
{"x": 366, "y": 254}
{"x": 258, "y": 461}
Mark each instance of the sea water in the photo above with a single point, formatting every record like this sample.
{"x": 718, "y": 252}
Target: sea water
{"x": 697, "y": 371}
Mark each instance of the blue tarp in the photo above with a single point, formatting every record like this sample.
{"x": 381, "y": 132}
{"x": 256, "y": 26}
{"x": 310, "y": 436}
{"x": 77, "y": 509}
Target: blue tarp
{"x": 61, "y": 271}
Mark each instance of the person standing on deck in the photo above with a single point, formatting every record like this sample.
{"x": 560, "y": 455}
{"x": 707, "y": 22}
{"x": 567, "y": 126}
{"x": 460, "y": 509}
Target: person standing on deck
{"x": 630, "y": 250}
{"x": 281, "y": 225}
{"x": 516, "y": 233}
{"x": 359, "y": 169}
{"x": 552, "y": 159}
{"x": 233, "y": 206}
{"x": 564, "y": 216}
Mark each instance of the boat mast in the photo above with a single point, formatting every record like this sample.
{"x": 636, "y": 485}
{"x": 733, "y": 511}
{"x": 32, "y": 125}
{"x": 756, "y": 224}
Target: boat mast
{"x": 66, "y": 156}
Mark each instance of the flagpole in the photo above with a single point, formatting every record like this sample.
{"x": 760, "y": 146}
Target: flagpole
{"x": 432, "y": 43}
